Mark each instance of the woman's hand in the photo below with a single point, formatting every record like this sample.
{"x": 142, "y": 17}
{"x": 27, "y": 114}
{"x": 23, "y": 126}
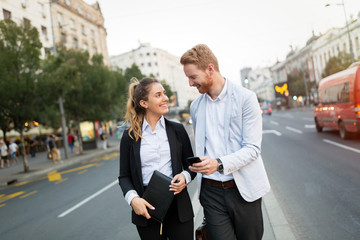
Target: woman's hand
{"x": 178, "y": 183}
{"x": 140, "y": 206}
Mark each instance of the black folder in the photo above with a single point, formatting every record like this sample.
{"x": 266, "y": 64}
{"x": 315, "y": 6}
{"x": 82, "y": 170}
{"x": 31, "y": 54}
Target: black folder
{"x": 157, "y": 193}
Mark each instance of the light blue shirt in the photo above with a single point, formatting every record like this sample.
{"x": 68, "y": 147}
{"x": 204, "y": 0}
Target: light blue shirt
{"x": 154, "y": 154}
{"x": 215, "y": 146}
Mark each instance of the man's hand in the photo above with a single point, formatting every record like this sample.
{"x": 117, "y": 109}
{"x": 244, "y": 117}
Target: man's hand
{"x": 139, "y": 205}
{"x": 178, "y": 183}
{"x": 207, "y": 166}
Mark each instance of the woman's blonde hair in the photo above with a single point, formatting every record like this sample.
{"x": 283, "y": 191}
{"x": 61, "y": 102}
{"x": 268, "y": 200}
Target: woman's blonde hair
{"x": 135, "y": 113}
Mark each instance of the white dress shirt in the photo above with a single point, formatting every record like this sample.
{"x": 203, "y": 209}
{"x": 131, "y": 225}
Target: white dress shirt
{"x": 215, "y": 146}
{"x": 154, "y": 155}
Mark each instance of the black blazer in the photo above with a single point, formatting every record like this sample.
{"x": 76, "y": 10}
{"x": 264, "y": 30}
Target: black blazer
{"x": 130, "y": 177}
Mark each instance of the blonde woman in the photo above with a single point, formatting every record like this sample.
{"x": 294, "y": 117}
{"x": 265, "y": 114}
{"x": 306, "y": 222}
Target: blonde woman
{"x": 154, "y": 143}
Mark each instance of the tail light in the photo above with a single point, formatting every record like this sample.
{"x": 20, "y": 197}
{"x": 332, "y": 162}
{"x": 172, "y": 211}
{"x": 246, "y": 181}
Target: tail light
{"x": 357, "y": 110}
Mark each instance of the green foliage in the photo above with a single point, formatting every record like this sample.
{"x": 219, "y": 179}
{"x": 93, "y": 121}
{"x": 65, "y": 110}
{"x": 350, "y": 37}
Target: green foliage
{"x": 337, "y": 64}
{"x": 167, "y": 88}
{"x": 133, "y": 71}
{"x": 19, "y": 66}
{"x": 296, "y": 84}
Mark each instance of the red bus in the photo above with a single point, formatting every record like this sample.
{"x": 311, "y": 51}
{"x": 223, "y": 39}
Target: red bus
{"x": 339, "y": 106}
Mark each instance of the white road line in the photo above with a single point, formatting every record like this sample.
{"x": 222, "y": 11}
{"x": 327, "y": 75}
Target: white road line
{"x": 272, "y": 131}
{"x": 273, "y": 122}
{"x": 308, "y": 119}
{"x": 342, "y": 146}
{"x": 309, "y": 125}
{"x": 294, "y": 129}
{"x": 87, "y": 199}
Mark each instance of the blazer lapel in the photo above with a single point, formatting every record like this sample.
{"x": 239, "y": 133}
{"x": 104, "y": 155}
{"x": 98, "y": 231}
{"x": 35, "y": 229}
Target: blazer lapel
{"x": 228, "y": 110}
{"x": 173, "y": 143}
{"x": 136, "y": 148}
{"x": 200, "y": 127}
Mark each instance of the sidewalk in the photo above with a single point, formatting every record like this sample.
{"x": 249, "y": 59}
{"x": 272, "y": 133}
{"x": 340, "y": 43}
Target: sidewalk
{"x": 40, "y": 164}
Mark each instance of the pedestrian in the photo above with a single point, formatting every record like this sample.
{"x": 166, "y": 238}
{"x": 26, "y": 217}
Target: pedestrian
{"x": 76, "y": 145}
{"x": 228, "y": 131}
{"x": 71, "y": 142}
{"x": 51, "y": 145}
{"x": 154, "y": 143}
{"x": 102, "y": 138}
{"x": 4, "y": 154}
{"x": 32, "y": 144}
{"x": 13, "y": 147}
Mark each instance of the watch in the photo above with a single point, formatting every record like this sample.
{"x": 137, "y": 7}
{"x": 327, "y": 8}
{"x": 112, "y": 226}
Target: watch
{"x": 220, "y": 168}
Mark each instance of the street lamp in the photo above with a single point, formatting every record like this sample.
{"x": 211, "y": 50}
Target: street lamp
{"x": 61, "y": 107}
{"x": 347, "y": 27}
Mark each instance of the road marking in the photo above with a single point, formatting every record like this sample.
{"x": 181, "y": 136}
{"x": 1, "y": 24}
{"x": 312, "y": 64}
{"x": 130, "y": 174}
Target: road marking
{"x": 309, "y": 125}
{"x": 272, "y": 131}
{"x": 54, "y": 176}
{"x": 273, "y": 122}
{"x": 342, "y": 146}
{"x": 1, "y": 205}
{"x": 10, "y": 196}
{"x": 87, "y": 199}
{"x": 308, "y": 119}
{"x": 294, "y": 129}
{"x": 61, "y": 180}
{"x": 29, "y": 194}
{"x": 84, "y": 171}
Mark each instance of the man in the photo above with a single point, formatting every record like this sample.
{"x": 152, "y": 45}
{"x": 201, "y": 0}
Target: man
{"x": 228, "y": 131}
{"x": 4, "y": 154}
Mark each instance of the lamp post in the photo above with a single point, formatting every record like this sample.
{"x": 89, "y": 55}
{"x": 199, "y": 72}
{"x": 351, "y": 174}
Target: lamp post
{"x": 347, "y": 27}
{"x": 61, "y": 107}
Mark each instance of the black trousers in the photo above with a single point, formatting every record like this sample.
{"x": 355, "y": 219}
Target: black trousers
{"x": 229, "y": 216}
{"x": 172, "y": 228}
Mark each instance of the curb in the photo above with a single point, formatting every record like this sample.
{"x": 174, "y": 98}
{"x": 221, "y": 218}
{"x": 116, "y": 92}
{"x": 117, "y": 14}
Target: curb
{"x": 66, "y": 163}
{"x": 279, "y": 224}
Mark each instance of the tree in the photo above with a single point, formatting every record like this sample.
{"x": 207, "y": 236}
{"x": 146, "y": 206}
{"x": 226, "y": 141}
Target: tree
{"x": 133, "y": 71}
{"x": 337, "y": 64}
{"x": 19, "y": 66}
{"x": 296, "y": 84}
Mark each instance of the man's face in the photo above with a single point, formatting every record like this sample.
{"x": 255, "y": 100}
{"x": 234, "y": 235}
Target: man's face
{"x": 202, "y": 80}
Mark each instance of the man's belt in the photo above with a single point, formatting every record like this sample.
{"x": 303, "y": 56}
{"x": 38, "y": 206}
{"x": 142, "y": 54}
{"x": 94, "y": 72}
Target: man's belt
{"x": 227, "y": 184}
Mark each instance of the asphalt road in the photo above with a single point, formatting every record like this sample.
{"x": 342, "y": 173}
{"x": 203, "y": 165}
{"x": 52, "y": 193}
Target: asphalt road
{"x": 315, "y": 176}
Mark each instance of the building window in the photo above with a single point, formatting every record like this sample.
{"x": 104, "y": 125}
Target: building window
{"x": 156, "y": 64}
{"x": 344, "y": 47}
{"x": 27, "y": 22}
{"x": 85, "y": 47}
{"x": 63, "y": 38}
{"x": 89, "y": 16}
{"x": 149, "y": 64}
{"x": 60, "y": 19}
{"x": 94, "y": 50}
{"x": 75, "y": 43}
{"x": 142, "y": 64}
{"x": 72, "y": 24}
{"x": 23, "y": 3}
{"x": 7, "y": 14}
{"x": 154, "y": 53}
{"x": 83, "y": 30}
{"x": 140, "y": 54}
{"x": 92, "y": 34}
{"x": 80, "y": 10}
{"x": 41, "y": 8}
{"x": 357, "y": 46}
{"x": 147, "y": 54}
{"x": 44, "y": 31}
{"x": 68, "y": 2}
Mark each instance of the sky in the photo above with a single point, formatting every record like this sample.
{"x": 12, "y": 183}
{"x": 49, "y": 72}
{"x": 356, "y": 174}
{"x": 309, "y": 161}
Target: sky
{"x": 251, "y": 33}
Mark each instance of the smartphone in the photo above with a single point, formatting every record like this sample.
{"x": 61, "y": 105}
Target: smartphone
{"x": 192, "y": 160}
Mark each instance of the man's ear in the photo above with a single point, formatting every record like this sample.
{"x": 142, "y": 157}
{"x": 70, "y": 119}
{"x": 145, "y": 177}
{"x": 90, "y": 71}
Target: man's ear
{"x": 210, "y": 68}
{"x": 143, "y": 104}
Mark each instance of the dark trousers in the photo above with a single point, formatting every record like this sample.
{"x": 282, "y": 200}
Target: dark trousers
{"x": 172, "y": 228}
{"x": 229, "y": 216}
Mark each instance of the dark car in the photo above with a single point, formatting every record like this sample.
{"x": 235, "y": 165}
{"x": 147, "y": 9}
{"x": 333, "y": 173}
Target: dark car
{"x": 266, "y": 110}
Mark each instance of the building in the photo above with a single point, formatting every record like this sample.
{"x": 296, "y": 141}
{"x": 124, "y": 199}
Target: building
{"x": 261, "y": 82}
{"x": 81, "y": 26}
{"x": 36, "y": 13}
{"x": 162, "y": 65}
{"x": 76, "y": 24}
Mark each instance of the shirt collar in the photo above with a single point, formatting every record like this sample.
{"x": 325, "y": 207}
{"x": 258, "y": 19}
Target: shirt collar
{"x": 222, "y": 94}
{"x": 160, "y": 123}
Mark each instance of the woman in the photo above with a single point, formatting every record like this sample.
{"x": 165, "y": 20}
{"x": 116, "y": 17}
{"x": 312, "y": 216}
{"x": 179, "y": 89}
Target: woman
{"x": 154, "y": 143}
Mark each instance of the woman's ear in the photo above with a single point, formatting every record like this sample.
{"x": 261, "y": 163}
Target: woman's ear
{"x": 143, "y": 104}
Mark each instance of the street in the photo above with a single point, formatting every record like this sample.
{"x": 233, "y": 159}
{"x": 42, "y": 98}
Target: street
{"x": 314, "y": 176}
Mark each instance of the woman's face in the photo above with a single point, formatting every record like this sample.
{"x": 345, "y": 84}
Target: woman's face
{"x": 157, "y": 103}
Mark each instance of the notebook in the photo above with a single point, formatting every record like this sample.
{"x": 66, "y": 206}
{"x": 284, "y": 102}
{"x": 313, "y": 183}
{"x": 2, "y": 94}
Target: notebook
{"x": 158, "y": 195}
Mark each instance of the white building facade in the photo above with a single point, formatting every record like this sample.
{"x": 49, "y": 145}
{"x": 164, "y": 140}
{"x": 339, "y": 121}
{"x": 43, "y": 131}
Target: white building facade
{"x": 162, "y": 65}
{"x": 260, "y": 81}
